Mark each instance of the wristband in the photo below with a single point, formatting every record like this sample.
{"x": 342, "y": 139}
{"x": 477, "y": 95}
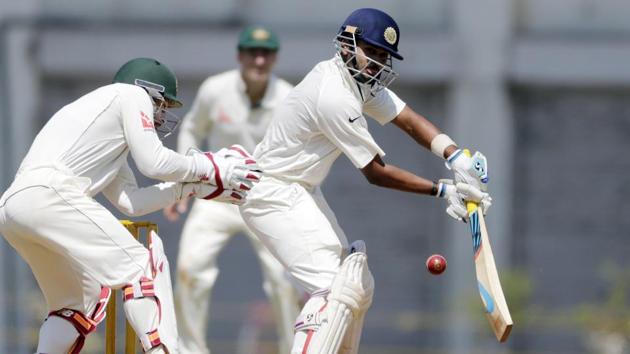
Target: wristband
{"x": 439, "y": 144}
{"x": 438, "y": 190}
{"x": 434, "y": 189}
{"x": 454, "y": 155}
{"x": 441, "y": 190}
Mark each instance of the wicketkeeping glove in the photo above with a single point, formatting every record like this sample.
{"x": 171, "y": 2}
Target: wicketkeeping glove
{"x": 246, "y": 171}
{"x": 457, "y": 194}
{"x": 232, "y": 168}
{"x": 210, "y": 192}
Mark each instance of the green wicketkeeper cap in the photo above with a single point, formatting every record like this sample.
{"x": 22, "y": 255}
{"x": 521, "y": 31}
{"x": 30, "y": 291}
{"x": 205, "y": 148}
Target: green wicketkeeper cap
{"x": 258, "y": 37}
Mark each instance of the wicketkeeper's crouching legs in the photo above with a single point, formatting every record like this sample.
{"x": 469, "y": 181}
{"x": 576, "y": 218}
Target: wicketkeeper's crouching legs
{"x": 149, "y": 304}
{"x": 65, "y": 330}
{"x": 332, "y": 320}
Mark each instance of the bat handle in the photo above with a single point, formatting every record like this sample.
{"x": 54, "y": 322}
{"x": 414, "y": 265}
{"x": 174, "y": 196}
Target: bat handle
{"x": 470, "y": 206}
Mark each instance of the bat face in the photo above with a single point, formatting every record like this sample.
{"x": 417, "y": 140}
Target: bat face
{"x": 488, "y": 281}
{"x": 475, "y": 230}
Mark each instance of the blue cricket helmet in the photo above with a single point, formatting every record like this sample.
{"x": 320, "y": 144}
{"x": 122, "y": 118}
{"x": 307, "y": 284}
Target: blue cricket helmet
{"x": 374, "y": 27}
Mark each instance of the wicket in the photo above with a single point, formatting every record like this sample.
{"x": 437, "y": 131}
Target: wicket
{"x": 137, "y": 229}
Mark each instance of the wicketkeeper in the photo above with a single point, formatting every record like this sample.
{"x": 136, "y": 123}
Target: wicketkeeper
{"x": 75, "y": 247}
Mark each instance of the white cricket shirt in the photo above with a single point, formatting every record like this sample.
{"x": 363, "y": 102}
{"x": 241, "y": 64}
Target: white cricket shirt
{"x": 223, "y": 114}
{"x": 322, "y": 117}
{"x": 92, "y": 136}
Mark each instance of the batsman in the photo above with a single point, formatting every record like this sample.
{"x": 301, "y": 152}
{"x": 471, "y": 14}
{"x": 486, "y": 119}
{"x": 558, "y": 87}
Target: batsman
{"x": 75, "y": 247}
{"x": 321, "y": 118}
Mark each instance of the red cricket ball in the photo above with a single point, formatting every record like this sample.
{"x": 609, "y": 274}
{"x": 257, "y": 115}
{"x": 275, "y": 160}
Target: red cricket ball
{"x": 436, "y": 264}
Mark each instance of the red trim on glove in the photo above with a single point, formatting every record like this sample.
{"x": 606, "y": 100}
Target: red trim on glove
{"x": 244, "y": 154}
{"x": 239, "y": 150}
{"x": 217, "y": 178}
{"x": 252, "y": 176}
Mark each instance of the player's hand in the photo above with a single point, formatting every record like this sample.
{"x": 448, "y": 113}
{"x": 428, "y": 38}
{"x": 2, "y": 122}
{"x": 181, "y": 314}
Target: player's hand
{"x": 173, "y": 211}
{"x": 230, "y": 168}
{"x": 211, "y": 192}
{"x": 246, "y": 171}
{"x": 456, "y": 207}
{"x": 458, "y": 194}
{"x": 472, "y": 170}
{"x": 470, "y": 193}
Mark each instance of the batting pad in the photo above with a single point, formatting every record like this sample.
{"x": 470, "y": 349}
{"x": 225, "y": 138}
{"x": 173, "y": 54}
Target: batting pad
{"x": 350, "y": 297}
{"x": 351, "y": 340}
{"x": 327, "y": 340}
{"x": 153, "y": 316}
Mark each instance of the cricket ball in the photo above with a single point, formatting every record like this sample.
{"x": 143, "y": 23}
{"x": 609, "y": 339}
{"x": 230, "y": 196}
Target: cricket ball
{"x": 436, "y": 264}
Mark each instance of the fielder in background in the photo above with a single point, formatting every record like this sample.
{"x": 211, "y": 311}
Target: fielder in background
{"x": 321, "y": 118}
{"x": 233, "y": 107}
{"x": 75, "y": 247}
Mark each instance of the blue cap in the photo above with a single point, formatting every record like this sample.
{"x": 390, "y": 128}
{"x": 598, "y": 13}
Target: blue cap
{"x": 374, "y": 27}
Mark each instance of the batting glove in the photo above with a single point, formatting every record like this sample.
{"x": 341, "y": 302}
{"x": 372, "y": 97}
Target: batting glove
{"x": 472, "y": 170}
{"x": 458, "y": 194}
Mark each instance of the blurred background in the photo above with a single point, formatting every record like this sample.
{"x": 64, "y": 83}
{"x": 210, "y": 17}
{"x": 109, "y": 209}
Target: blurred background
{"x": 542, "y": 87}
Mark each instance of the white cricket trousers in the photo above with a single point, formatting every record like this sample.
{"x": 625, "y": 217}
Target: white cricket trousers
{"x": 72, "y": 244}
{"x": 208, "y": 229}
{"x": 299, "y": 228}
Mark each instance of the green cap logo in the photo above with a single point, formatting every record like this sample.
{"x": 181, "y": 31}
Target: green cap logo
{"x": 260, "y": 34}
{"x": 258, "y": 37}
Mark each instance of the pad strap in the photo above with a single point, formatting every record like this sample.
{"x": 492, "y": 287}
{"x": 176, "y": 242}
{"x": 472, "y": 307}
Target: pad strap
{"x": 81, "y": 323}
{"x": 99, "y": 311}
{"x": 150, "y": 340}
{"x": 312, "y": 316}
{"x": 143, "y": 288}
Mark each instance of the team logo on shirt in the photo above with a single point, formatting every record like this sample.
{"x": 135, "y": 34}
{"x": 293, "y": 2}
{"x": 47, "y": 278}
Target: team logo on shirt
{"x": 147, "y": 123}
{"x": 390, "y": 35}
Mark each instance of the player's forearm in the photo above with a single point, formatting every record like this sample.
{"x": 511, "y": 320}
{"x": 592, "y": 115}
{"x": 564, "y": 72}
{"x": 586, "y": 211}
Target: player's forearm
{"x": 390, "y": 176}
{"x": 425, "y": 133}
{"x": 167, "y": 165}
{"x": 416, "y": 126}
{"x": 142, "y": 201}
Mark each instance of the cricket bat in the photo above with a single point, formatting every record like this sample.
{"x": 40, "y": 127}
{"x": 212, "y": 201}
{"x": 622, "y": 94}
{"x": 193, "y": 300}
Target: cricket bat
{"x": 488, "y": 281}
